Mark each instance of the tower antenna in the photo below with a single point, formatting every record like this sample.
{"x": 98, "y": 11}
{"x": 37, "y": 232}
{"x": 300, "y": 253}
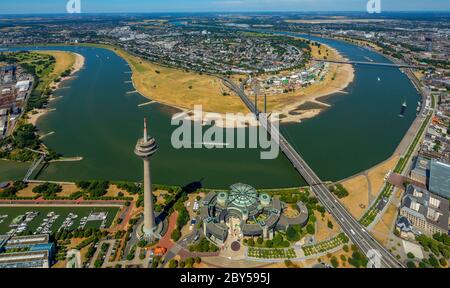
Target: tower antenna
{"x": 145, "y": 130}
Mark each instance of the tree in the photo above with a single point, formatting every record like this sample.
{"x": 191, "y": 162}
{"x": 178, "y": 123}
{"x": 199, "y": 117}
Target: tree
{"x": 98, "y": 263}
{"x": 198, "y": 260}
{"x": 410, "y": 255}
{"x": 433, "y": 261}
{"x": 82, "y": 184}
{"x": 142, "y": 243}
{"x": 277, "y": 240}
{"x": 292, "y": 234}
{"x": 173, "y": 263}
{"x": 310, "y": 229}
{"x": 358, "y": 259}
{"x": 334, "y": 262}
{"x": 190, "y": 262}
{"x": 410, "y": 264}
{"x": 422, "y": 264}
{"x": 288, "y": 263}
{"x": 330, "y": 224}
{"x": 9, "y": 192}
{"x": 176, "y": 234}
{"x": 155, "y": 262}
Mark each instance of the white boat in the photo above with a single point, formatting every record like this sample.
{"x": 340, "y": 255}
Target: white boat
{"x": 379, "y": 79}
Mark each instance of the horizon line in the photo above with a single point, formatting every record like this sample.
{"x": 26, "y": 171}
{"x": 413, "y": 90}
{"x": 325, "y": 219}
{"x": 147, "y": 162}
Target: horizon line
{"x": 210, "y": 12}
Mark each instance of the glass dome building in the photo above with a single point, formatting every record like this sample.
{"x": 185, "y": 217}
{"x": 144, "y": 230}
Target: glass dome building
{"x": 259, "y": 214}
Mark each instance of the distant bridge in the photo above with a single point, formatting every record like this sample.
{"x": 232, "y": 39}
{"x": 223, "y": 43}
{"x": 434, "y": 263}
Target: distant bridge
{"x": 392, "y": 65}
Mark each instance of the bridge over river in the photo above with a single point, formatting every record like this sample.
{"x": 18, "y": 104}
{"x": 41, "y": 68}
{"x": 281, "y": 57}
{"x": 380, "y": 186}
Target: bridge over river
{"x": 355, "y": 231}
{"x": 393, "y": 65}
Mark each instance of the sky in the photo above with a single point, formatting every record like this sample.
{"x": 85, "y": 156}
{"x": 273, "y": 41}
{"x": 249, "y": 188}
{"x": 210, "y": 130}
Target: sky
{"x": 108, "y": 6}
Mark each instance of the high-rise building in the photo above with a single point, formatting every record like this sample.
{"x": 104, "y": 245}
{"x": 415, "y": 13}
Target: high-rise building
{"x": 145, "y": 148}
{"x": 440, "y": 178}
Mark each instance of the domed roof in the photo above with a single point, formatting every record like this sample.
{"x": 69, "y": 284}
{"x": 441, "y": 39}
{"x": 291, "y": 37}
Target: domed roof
{"x": 243, "y": 195}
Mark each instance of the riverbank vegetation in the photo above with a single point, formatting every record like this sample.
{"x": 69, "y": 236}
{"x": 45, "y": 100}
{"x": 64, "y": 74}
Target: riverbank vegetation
{"x": 339, "y": 190}
{"x": 11, "y": 192}
{"x": 46, "y": 67}
{"x": 19, "y": 146}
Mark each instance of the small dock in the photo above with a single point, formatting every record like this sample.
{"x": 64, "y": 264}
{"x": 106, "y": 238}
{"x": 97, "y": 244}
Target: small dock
{"x": 46, "y": 135}
{"x": 146, "y": 103}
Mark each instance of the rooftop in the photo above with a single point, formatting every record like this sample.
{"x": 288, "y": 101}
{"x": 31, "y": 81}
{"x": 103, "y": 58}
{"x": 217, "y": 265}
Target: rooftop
{"x": 428, "y": 206}
{"x": 421, "y": 165}
{"x": 440, "y": 178}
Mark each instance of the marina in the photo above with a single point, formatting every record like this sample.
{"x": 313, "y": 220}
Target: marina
{"x": 43, "y": 220}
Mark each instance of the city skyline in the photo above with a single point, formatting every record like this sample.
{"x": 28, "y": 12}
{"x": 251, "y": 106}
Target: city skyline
{"x": 133, "y": 6}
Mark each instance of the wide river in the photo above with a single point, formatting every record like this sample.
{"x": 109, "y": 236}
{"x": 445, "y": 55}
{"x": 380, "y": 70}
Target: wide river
{"x": 96, "y": 119}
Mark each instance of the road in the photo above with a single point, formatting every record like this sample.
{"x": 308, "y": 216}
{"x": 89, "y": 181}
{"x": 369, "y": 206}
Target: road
{"x": 181, "y": 244}
{"x": 354, "y": 230}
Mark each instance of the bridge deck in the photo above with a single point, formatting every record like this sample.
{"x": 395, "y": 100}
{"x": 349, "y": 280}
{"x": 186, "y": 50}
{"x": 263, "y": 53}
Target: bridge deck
{"x": 355, "y": 231}
{"x": 393, "y": 65}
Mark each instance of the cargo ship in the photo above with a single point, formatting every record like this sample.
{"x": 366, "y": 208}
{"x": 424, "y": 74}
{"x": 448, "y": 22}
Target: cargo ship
{"x": 403, "y": 110}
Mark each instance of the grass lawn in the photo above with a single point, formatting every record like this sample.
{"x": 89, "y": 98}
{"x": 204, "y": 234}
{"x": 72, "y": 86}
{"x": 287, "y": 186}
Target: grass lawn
{"x": 12, "y": 170}
{"x": 64, "y": 61}
{"x": 12, "y": 212}
{"x": 271, "y": 253}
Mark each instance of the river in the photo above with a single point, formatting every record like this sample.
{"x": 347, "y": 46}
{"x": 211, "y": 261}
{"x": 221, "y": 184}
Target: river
{"x": 97, "y": 120}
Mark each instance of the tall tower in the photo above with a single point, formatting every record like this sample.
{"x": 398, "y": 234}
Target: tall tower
{"x": 145, "y": 148}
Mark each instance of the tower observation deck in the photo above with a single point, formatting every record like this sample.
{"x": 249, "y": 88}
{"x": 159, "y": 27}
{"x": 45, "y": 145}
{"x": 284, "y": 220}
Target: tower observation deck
{"x": 145, "y": 148}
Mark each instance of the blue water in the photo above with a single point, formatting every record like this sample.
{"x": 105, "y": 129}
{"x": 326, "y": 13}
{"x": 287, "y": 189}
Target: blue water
{"x": 98, "y": 121}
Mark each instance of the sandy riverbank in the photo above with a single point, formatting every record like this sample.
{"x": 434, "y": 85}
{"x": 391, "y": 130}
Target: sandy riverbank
{"x": 168, "y": 86}
{"x": 336, "y": 80}
{"x": 76, "y": 66}
{"x": 304, "y": 103}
